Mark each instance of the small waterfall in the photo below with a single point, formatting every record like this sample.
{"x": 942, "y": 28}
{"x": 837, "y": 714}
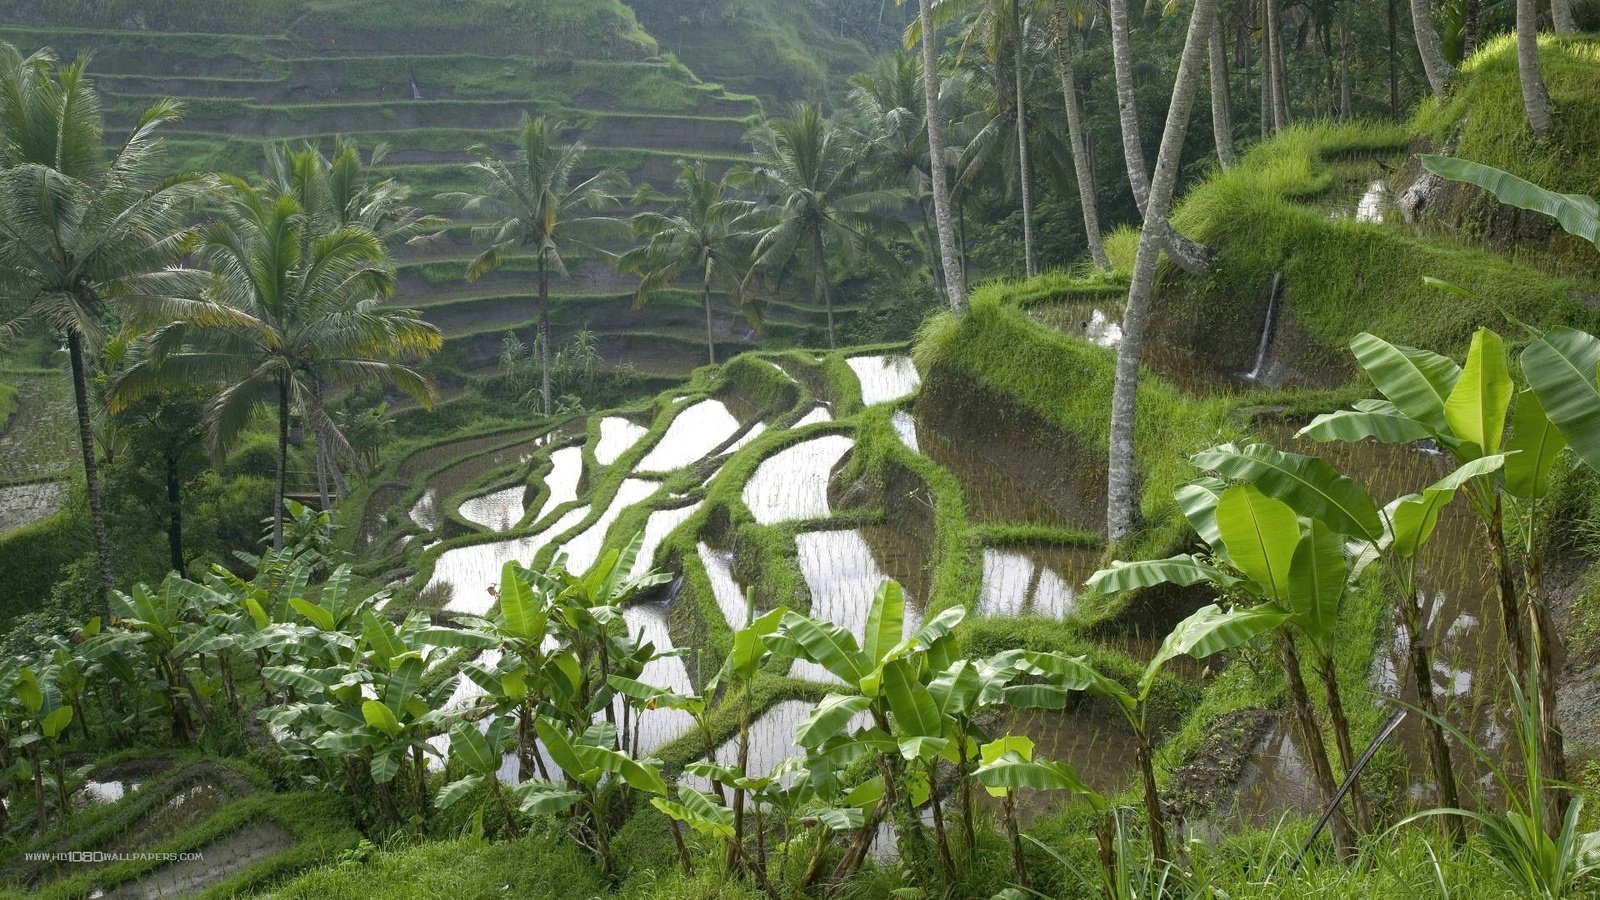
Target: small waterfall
{"x": 411, "y": 74}
{"x": 1266, "y": 329}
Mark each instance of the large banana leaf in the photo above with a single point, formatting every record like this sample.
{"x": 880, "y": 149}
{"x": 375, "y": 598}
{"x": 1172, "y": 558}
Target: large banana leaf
{"x": 524, "y": 617}
{"x": 749, "y": 647}
{"x": 473, "y": 749}
{"x": 1198, "y": 500}
{"x": 955, "y": 690}
{"x": 885, "y": 624}
{"x": 1010, "y": 772}
{"x": 825, "y": 644}
{"x": 1128, "y": 576}
{"x": 698, "y": 811}
{"x": 1317, "y": 579}
{"x": 829, "y": 718}
{"x": 1070, "y": 673}
{"x": 1532, "y": 451}
{"x": 1415, "y": 516}
{"x": 1381, "y": 420}
{"x": 1579, "y": 215}
{"x": 1561, "y": 368}
{"x": 542, "y": 798}
{"x": 1476, "y": 407}
{"x": 452, "y": 793}
{"x": 1210, "y": 630}
{"x": 1415, "y": 381}
{"x": 915, "y": 713}
{"x": 1261, "y": 534}
{"x": 1308, "y": 484}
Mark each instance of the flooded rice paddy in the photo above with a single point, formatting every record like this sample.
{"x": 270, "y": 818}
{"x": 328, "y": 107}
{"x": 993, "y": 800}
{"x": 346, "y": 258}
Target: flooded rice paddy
{"x": 496, "y": 511}
{"x": 884, "y": 378}
{"x": 792, "y": 484}
{"x": 693, "y": 434}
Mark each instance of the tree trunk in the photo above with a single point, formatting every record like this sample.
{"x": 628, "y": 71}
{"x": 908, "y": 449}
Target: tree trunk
{"x": 283, "y": 461}
{"x": 1266, "y": 79}
{"x": 91, "y": 470}
{"x": 1122, "y": 497}
{"x": 947, "y": 863}
{"x": 1024, "y": 177}
{"x": 1422, "y": 673}
{"x": 1469, "y": 27}
{"x": 1328, "y": 669}
{"x": 821, "y": 284}
{"x": 705, "y": 301}
{"x": 1315, "y": 751}
{"x": 1347, "y": 81}
{"x": 1221, "y": 110}
{"x": 1019, "y": 862}
{"x": 1084, "y": 175}
{"x": 174, "y": 513}
{"x": 1277, "y": 71}
{"x": 544, "y": 328}
{"x": 955, "y": 283}
{"x": 1434, "y": 65}
{"x": 1535, "y": 99}
{"x": 1155, "y": 819}
{"x": 1552, "y": 744}
{"x": 1191, "y": 257}
{"x": 1394, "y": 62}
{"x": 1561, "y": 17}
{"x": 930, "y": 239}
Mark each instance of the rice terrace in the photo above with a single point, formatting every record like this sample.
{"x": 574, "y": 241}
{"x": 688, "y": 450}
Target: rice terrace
{"x": 847, "y": 449}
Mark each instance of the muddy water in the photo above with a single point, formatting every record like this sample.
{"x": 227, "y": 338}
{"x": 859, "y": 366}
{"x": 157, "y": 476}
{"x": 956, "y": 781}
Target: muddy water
{"x": 1460, "y": 606}
{"x": 842, "y": 575}
{"x": 905, "y": 425}
{"x": 816, "y": 415}
{"x": 755, "y": 431}
{"x": 771, "y": 741}
{"x": 792, "y": 484}
{"x": 583, "y": 551}
{"x": 993, "y": 494}
{"x": 428, "y": 511}
{"x": 497, "y": 511}
{"x": 884, "y": 378}
{"x": 729, "y": 594}
{"x": 617, "y": 436}
{"x": 1275, "y": 781}
{"x": 695, "y": 432}
{"x": 656, "y": 528}
{"x": 1033, "y": 581}
{"x": 566, "y": 465}
{"x": 468, "y": 573}
{"x": 1097, "y": 323}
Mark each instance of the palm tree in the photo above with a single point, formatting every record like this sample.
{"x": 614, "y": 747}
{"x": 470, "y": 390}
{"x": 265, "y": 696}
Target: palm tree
{"x": 87, "y": 235}
{"x": 1070, "y": 17}
{"x": 1535, "y": 98}
{"x": 1430, "y": 48}
{"x": 1191, "y": 257}
{"x": 315, "y": 301}
{"x": 532, "y": 203}
{"x": 955, "y": 280}
{"x": 1122, "y": 500}
{"x": 823, "y": 203}
{"x": 706, "y": 230}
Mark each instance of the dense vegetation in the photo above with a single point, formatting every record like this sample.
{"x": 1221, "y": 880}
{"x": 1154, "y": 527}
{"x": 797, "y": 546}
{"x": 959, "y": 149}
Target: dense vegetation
{"x": 721, "y": 448}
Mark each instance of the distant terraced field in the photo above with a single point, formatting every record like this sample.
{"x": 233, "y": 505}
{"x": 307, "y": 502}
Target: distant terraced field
{"x": 323, "y": 76}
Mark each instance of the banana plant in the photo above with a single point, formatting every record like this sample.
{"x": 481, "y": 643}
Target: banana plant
{"x": 161, "y": 625}
{"x": 1008, "y": 765}
{"x": 591, "y": 762}
{"x": 1208, "y": 631}
{"x": 38, "y": 717}
{"x": 1463, "y": 409}
{"x": 480, "y": 753}
{"x": 748, "y": 654}
{"x": 885, "y": 668}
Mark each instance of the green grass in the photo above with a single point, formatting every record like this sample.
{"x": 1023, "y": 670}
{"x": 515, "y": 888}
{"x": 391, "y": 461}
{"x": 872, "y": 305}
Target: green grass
{"x": 8, "y": 405}
{"x": 541, "y": 866}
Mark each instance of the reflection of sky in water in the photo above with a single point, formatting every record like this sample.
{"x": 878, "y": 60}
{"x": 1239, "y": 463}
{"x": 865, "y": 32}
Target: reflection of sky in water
{"x": 884, "y": 378}
{"x": 566, "y": 466}
{"x": 792, "y": 484}
{"x": 583, "y": 551}
{"x": 693, "y": 433}
{"x": 817, "y": 414}
{"x": 843, "y": 576}
{"x": 617, "y": 436}
{"x": 470, "y": 571}
{"x": 656, "y": 528}
{"x": 730, "y": 596}
{"x": 496, "y": 511}
{"x": 905, "y": 425}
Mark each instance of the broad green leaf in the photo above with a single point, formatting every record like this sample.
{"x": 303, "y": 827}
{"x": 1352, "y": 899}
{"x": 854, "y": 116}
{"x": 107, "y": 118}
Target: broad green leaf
{"x": 295, "y": 677}
{"x": 709, "y": 827}
{"x": 1129, "y": 576}
{"x": 402, "y": 684}
{"x": 1011, "y": 746}
{"x": 955, "y": 690}
{"x": 386, "y": 763}
{"x": 380, "y": 717}
{"x": 559, "y": 746}
{"x": 915, "y": 714}
{"x": 1561, "y": 367}
{"x": 1198, "y": 500}
{"x": 1010, "y": 772}
{"x": 56, "y": 721}
{"x": 829, "y": 718}
{"x": 1261, "y": 534}
{"x": 1074, "y": 673}
{"x": 452, "y": 793}
{"x": 379, "y": 636}
{"x": 1210, "y": 630}
{"x": 313, "y": 613}
{"x": 1308, "y": 484}
{"x": 749, "y": 646}
{"x": 1579, "y": 215}
{"x": 825, "y": 644}
{"x": 1415, "y": 381}
{"x": 1317, "y": 578}
{"x": 523, "y": 617}
{"x": 257, "y": 614}
{"x": 1389, "y": 426}
{"x": 543, "y": 798}
{"x": 1414, "y": 516}
{"x": 1532, "y": 451}
{"x": 472, "y": 747}
{"x": 455, "y": 638}
{"x": 1476, "y": 408}
{"x": 885, "y": 624}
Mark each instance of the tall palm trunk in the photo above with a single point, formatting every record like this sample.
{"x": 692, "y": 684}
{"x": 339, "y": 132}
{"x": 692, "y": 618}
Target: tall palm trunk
{"x": 1122, "y": 496}
{"x": 821, "y": 284}
{"x": 1080, "y": 155}
{"x": 1221, "y": 106}
{"x": 1347, "y": 81}
{"x": 1276, "y": 70}
{"x": 1191, "y": 257}
{"x": 544, "y": 328}
{"x": 174, "y": 512}
{"x": 1429, "y": 47}
{"x": 955, "y": 282}
{"x": 1024, "y": 177}
{"x": 91, "y": 470}
{"x": 705, "y": 301}
{"x": 1534, "y": 96}
{"x": 1561, "y": 17}
{"x": 1266, "y": 78}
{"x": 283, "y": 462}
